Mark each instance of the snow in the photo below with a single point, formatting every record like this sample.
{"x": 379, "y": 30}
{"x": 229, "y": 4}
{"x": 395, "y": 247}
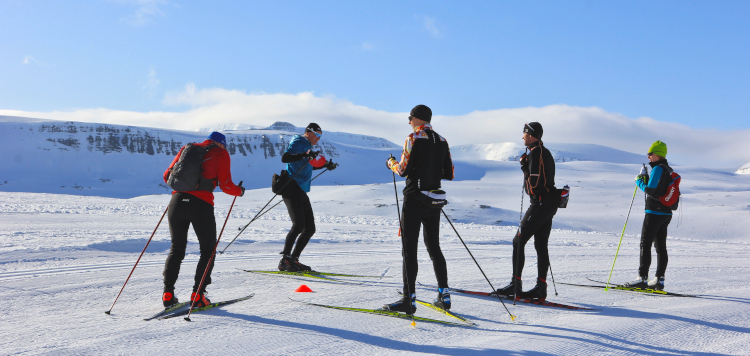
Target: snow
{"x": 64, "y": 258}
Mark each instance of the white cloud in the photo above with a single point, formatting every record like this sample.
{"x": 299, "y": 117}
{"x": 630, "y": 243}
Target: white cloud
{"x": 31, "y": 60}
{"x": 562, "y": 123}
{"x": 429, "y": 24}
{"x": 152, "y": 83}
{"x": 367, "y": 47}
{"x": 145, "y": 11}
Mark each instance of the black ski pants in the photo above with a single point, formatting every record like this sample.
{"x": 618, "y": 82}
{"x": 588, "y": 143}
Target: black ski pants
{"x": 654, "y": 232}
{"x": 303, "y": 221}
{"x": 415, "y": 215}
{"x": 186, "y": 209}
{"x": 537, "y": 223}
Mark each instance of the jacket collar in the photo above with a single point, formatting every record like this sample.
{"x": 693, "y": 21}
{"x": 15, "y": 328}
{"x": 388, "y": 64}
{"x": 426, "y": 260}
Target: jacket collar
{"x": 659, "y": 162}
{"x": 423, "y": 127}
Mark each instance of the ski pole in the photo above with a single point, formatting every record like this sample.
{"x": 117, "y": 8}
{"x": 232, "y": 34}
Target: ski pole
{"x": 279, "y": 202}
{"x": 518, "y": 248}
{"x": 403, "y": 242}
{"x": 211, "y": 260}
{"x": 136, "y": 262}
{"x": 261, "y": 210}
{"x": 512, "y": 317}
{"x": 621, "y": 235}
{"x": 553, "y": 278}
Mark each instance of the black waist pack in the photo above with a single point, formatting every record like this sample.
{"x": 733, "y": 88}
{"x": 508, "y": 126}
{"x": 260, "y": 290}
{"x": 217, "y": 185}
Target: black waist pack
{"x": 279, "y": 181}
{"x": 433, "y": 199}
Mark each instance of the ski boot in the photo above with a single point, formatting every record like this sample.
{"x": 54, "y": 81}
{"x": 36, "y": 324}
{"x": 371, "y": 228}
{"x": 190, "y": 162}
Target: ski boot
{"x": 287, "y": 265}
{"x": 510, "y": 289}
{"x": 539, "y": 292}
{"x": 199, "y": 299}
{"x": 168, "y": 298}
{"x": 300, "y": 267}
{"x": 641, "y": 282}
{"x": 404, "y": 305}
{"x": 657, "y": 283}
{"x": 443, "y": 300}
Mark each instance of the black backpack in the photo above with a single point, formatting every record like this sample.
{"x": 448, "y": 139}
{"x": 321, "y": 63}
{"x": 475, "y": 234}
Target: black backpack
{"x": 186, "y": 174}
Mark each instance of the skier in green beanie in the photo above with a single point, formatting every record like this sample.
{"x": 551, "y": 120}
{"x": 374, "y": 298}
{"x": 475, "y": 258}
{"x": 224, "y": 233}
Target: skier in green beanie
{"x": 658, "y": 216}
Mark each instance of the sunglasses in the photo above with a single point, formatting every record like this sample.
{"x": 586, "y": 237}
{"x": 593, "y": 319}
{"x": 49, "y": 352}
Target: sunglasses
{"x": 315, "y": 133}
{"x": 410, "y": 117}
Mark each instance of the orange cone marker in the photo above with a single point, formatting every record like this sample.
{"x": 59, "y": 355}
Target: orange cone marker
{"x": 303, "y": 289}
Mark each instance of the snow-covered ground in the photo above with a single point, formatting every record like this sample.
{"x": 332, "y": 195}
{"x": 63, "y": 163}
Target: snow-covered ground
{"x": 64, "y": 258}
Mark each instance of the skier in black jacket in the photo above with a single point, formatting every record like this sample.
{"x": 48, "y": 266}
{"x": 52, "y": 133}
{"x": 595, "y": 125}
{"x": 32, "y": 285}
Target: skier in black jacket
{"x": 426, "y": 160}
{"x": 539, "y": 183}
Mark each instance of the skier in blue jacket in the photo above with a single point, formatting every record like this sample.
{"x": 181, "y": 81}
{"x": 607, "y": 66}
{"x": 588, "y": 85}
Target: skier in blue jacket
{"x": 301, "y": 160}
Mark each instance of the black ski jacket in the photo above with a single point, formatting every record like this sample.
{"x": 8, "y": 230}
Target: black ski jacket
{"x": 539, "y": 173}
{"x": 426, "y": 160}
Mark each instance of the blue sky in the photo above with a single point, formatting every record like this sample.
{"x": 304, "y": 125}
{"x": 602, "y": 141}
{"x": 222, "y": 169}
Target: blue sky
{"x": 680, "y": 62}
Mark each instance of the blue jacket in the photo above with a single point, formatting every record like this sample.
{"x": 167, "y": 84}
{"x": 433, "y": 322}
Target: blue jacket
{"x": 300, "y": 144}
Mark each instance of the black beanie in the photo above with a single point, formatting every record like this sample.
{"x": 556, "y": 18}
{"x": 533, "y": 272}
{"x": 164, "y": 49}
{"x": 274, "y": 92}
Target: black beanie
{"x": 534, "y": 129}
{"x": 422, "y": 112}
{"x": 313, "y": 127}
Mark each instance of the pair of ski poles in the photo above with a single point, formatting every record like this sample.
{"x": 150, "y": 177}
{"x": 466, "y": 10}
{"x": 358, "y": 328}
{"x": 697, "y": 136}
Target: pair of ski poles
{"x": 512, "y": 317}
{"x": 258, "y": 215}
{"x": 149, "y": 241}
{"x": 261, "y": 212}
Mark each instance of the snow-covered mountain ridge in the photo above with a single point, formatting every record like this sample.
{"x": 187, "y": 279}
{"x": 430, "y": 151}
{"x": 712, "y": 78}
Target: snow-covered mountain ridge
{"x": 124, "y": 161}
{"x": 49, "y": 156}
{"x": 562, "y": 152}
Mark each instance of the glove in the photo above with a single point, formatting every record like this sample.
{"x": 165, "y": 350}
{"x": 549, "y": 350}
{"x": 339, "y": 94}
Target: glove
{"x": 643, "y": 172}
{"x": 242, "y": 188}
{"x": 330, "y": 165}
{"x": 390, "y": 162}
{"x": 524, "y": 167}
{"x": 310, "y": 154}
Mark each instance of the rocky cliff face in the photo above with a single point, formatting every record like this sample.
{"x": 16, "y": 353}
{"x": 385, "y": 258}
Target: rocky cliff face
{"x": 115, "y": 160}
{"x": 106, "y": 139}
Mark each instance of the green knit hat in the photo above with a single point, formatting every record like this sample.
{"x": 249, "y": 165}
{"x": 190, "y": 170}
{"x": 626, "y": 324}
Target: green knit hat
{"x": 658, "y": 148}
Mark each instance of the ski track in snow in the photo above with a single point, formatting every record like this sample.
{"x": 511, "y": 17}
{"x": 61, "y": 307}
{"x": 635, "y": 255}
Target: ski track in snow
{"x": 63, "y": 260}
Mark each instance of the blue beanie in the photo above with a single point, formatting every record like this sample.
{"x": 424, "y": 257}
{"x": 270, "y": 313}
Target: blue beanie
{"x": 218, "y": 137}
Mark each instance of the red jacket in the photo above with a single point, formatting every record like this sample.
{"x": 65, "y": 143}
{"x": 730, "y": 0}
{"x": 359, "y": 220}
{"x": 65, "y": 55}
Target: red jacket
{"x": 215, "y": 165}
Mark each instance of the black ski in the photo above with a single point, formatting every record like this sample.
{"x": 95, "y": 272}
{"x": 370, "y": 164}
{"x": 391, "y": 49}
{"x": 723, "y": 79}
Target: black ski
{"x": 168, "y": 310}
{"x": 639, "y": 290}
{"x": 212, "y": 305}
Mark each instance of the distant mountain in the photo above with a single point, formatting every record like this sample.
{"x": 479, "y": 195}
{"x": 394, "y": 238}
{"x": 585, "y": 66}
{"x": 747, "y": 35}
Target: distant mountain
{"x": 78, "y": 158}
{"x": 562, "y": 152}
{"x": 745, "y": 169}
{"x": 124, "y": 161}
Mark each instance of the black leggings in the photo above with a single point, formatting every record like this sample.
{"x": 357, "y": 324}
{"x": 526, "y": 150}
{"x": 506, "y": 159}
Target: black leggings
{"x": 538, "y": 223}
{"x": 186, "y": 209}
{"x": 654, "y": 232}
{"x": 415, "y": 215}
{"x": 303, "y": 222}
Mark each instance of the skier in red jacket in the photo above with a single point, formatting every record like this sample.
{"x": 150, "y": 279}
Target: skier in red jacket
{"x": 197, "y": 207}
